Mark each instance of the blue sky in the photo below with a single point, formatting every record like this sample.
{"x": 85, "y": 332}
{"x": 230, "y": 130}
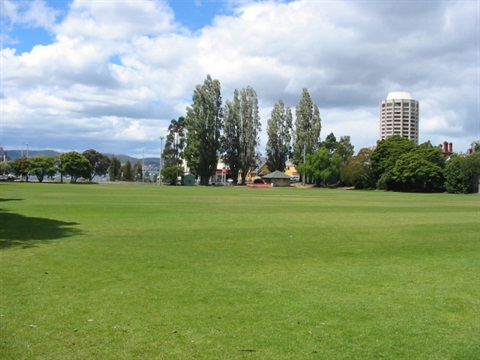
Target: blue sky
{"x": 192, "y": 14}
{"x": 110, "y": 75}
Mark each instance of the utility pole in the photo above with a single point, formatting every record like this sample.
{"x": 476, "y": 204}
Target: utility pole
{"x": 176, "y": 157}
{"x": 304, "y": 172}
{"x": 160, "y": 162}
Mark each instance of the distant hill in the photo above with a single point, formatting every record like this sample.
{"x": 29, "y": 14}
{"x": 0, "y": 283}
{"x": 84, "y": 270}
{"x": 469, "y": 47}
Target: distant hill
{"x": 14, "y": 154}
{"x": 153, "y": 162}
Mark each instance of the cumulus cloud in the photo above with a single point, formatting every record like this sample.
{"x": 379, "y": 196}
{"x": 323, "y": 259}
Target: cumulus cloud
{"x": 33, "y": 13}
{"x": 117, "y": 72}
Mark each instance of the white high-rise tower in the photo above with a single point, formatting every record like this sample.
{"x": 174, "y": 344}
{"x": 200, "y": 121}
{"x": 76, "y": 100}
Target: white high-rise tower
{"x": 399, "y": 116}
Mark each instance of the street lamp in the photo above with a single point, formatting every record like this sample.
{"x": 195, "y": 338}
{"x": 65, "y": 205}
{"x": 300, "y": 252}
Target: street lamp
{"x": 143, "y": 165}
{"x": 160, "y": 162}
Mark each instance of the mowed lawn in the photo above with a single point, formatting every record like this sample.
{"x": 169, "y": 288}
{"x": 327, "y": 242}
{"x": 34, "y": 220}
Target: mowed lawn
{"x": 115, "y": 271}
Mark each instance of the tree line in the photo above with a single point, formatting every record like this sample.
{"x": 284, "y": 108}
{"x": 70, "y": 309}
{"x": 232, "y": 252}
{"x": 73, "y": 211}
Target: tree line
{"x": 397, "y": 164}
{"x": 74, "y": 166}
{"x": 211, "y": 131}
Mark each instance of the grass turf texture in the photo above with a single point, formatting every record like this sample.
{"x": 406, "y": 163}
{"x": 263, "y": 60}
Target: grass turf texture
{"x": 123, "y": 272}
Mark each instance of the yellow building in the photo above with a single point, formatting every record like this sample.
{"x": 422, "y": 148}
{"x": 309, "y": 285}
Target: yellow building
{"x": 291, "y": 171}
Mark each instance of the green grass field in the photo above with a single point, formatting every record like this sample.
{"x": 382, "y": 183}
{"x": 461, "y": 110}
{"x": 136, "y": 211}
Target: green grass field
{"x": 157, "y": 272}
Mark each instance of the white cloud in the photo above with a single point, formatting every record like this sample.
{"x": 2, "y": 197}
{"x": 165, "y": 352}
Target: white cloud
{"x": 34, "y": 13}
{"x": 119, "y": 71}
{"x": 117, "y": 20}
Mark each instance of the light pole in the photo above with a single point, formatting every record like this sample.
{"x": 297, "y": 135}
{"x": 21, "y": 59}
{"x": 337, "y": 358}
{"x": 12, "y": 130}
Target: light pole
{"x": 143, "y": 165}
{"x": 160, "y": 162}
{"x": 176, "y": 158}
{"x": 304, "y": 182}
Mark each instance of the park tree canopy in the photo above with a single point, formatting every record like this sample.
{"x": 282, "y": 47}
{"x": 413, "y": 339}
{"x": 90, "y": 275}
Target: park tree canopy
{"x": 114, "y": 171}
{"x": 42, "y": 166}
{"x": 307, "y": 128}
{"x": 421, "y": 169}
{"x": 241, "y": 128}
{"x": 384, "y": 157}
{"x": 462, "y": 173}
{"x": 358, "y": 170}
{"x": 75, "y": 165}
{"x": 21, "y": 167}
{"x": 99, "y": 163}
{"x": 204, "y": 123}
{"x": 279, "y": 131}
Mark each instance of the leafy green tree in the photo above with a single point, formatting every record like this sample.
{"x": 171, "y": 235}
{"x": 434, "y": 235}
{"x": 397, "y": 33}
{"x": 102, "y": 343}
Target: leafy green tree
{"x": 358, "y": 170}
{"x": 323, "y": 166}
{"x": 138, "y": 171}
{"x": 384, "y": 157}
{"x": 462, "y": 173}
{"x": 476, "y": 146}
{"x": 421, "y": 169}
{"x": 75, "y": 165}
{"x": 174, "y": 143}
{"x": 58, "y": 163}
{"x": 204, "y": 123}
{"x": 330, "y": 143}
{"x": 114, "y": 170}
{"x": 241, "y": 129}
{"x": 307, "y": 128}
{"x": 471, "y": 170}
{"x": 42, "y": 166}
{"x": 21, "y": 167}
{"x": 231, "y": 138}
{"x": 127, "y": 171}
{"x": 99, "y": 163}
{"x": 250, "y": 128}
{"x": 5, "y": 167}
{"x": 171, "y": 173}
{"x": 279, "y": 131}
{"x": 344, "y": 148}
{"x": 455, "y": 182}
{"x": 327, "y": 166}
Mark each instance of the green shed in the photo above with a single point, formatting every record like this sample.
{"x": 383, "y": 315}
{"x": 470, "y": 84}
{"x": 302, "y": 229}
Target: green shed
{"x": 188, "y": 180}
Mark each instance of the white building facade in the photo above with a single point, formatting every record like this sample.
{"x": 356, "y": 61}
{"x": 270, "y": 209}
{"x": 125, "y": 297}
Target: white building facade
{"x": 399, "y": 115}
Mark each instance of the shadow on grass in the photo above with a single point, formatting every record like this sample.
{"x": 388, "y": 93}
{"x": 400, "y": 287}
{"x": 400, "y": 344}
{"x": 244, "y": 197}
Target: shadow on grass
{"x": 27, "y": 232}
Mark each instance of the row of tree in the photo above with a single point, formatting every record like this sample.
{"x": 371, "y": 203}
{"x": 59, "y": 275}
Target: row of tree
{"x": 72, "y": 164}
{"x": 211, "y": 131}
{"x": 398, "y": 164}
{"x": 87, "y": 165}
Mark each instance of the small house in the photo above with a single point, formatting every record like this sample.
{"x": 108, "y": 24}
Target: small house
{"x": 277, "y": 179}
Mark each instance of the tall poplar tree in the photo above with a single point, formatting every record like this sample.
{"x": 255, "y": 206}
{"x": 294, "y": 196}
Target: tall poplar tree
{"x": 114, "y": 170}
{"x": 204, "y": 123}
{"x": 172, "y": 155}
{"x": 240, "y": 138}
{"x": 307, "y": 128}
{"x": 127, "y": 171}
{"x": 174, "y": 143}
{"x": 279, "y": 131}
{"x": 250, "y": 128}
{"x": 231, "y": 135}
